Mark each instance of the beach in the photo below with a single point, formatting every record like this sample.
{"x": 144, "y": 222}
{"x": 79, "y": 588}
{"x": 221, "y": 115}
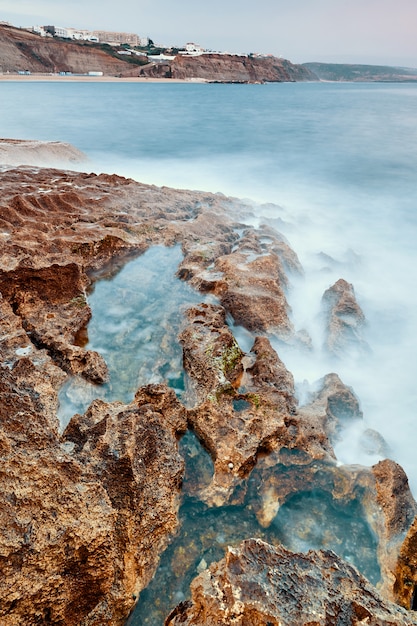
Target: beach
{"x": 92, "y": 79}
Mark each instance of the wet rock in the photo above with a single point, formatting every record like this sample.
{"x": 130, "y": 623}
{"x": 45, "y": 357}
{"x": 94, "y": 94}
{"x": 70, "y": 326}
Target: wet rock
{"x": 259, "y": 303}
{"x": 345, "y": 320}
{"x": 234, "y": 427}
{"x": 52, "y": 305}
{"x": 212, "y": 356}
{"x": 259, "y": 584}
{"x": 406, "y": 571}
{"x": 334, "y": 404}
{"x": 85, "y": 515}
{"x": 398, "y": 510}
{"x": 56, "y": 545}
{"x": 132, "y": 452}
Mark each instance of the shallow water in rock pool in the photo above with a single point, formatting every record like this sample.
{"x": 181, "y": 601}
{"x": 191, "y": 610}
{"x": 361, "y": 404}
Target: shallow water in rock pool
{"x": 136, "y": 316}
{"x": 308, "y": 520}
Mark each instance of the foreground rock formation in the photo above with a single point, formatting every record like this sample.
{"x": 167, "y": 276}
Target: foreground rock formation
{"x": 87, "y": 512}
{"x": 257, "y": 584}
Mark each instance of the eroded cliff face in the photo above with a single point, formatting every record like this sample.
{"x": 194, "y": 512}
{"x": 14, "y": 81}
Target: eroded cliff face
{"x": 87, "y": 512}
{"x": 230, "y": 68}
{"x": 21, "y": 50}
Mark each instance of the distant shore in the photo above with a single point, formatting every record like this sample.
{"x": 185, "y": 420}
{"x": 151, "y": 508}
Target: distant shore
{"x": 93, "y": 79}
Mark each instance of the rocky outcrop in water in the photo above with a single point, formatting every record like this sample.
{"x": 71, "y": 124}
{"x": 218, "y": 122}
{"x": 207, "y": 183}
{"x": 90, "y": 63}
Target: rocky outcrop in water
{"x": 260, "y": 585}
{"x": 87, "y": 513}
{"x": 345, "y": 320}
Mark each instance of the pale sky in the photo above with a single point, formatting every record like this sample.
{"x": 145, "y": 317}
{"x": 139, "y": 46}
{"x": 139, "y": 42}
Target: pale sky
{"x": 338, "y": 31}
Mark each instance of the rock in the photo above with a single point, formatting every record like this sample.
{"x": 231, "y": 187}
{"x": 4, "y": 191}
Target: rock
{"x": 344, "y": 320}
{"x": 406, "y": 571}
{"x": 335, "y": 403}
{"x": 74, "y": 511}
{"x": 258, "y": 584}
{"x": 132, "y": 452}
{"x": 399, "y": 509}
{"x": 52, "y": 305}
{"x": 233, "y": 426}
{"x": 86, "y": 514}
{"x": 26, "y": 152}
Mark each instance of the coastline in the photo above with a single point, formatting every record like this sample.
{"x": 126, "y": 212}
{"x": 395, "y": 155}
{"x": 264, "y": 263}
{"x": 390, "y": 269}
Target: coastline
{"x": 94, "y": 79}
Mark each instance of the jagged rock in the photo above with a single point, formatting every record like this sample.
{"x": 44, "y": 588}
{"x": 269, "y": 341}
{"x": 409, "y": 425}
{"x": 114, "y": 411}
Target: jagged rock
{"x": 398, "y": 509}
{"x": 84, "y": 518}
{"x": 259, "y": 304}
{"x": 85, "y": 515}
{"x": 405, "y": 587}
{"x": 344, "y": 320}
{"x": 212, "y": 356}
{"x": 233, "y": 426}
{"x": 52, "y": 305}
{"x": 335, "y": 403}
{"x": 62, "y": 230}
{"x": 258, "y": 584}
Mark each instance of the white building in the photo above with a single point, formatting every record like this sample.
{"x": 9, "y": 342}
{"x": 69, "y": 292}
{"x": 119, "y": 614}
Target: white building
{"x": 192, "y": 49}
{"x": 75, "y": 33}
{"x": 40, "y": 30}
{"x": 116, "y": 38}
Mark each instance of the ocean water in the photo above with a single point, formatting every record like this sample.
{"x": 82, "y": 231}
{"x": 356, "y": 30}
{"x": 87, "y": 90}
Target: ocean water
{"x": 335, "y": 165}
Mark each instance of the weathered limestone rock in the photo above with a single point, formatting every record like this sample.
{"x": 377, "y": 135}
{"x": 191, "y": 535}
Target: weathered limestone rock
{"x": 132, "y": 452}
{"x": 334, "y": 404}
{"x": 233, "y": 426}
{"x": 406, "y": 571}
{"x": 398, "y": 509}
{"x": 344, "y": 320}
{"x": 257, "y": 584}
{"x": 85, "y": 515}
{"x": 229, "y": 272}
{"x": 52, "y": 305}
{"x": 83, "y": 518}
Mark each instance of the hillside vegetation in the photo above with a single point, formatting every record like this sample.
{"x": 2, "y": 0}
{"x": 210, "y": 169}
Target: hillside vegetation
{"x": 361, "y": 73}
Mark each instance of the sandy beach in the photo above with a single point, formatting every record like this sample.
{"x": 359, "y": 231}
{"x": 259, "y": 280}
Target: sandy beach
{"x": 92, "y": 79}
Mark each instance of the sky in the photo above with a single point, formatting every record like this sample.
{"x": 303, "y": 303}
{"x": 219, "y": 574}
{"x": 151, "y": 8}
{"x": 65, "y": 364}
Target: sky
{"x": 333, "y": 31}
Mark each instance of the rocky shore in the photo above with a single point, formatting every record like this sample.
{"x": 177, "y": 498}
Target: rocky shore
{"x": 87, "y": 512}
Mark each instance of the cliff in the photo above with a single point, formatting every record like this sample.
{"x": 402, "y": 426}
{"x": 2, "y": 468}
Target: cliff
{"x": 230, "y": 68}
{"x": 21, "y": 50}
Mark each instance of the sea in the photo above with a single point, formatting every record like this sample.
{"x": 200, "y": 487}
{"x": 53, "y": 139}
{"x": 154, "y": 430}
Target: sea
{"x": 332, "y": 165}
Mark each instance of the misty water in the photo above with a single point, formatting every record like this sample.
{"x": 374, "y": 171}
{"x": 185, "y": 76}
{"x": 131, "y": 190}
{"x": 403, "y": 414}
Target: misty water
{"x": 332, "y": 167}
{"x": 136, "y": 317}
